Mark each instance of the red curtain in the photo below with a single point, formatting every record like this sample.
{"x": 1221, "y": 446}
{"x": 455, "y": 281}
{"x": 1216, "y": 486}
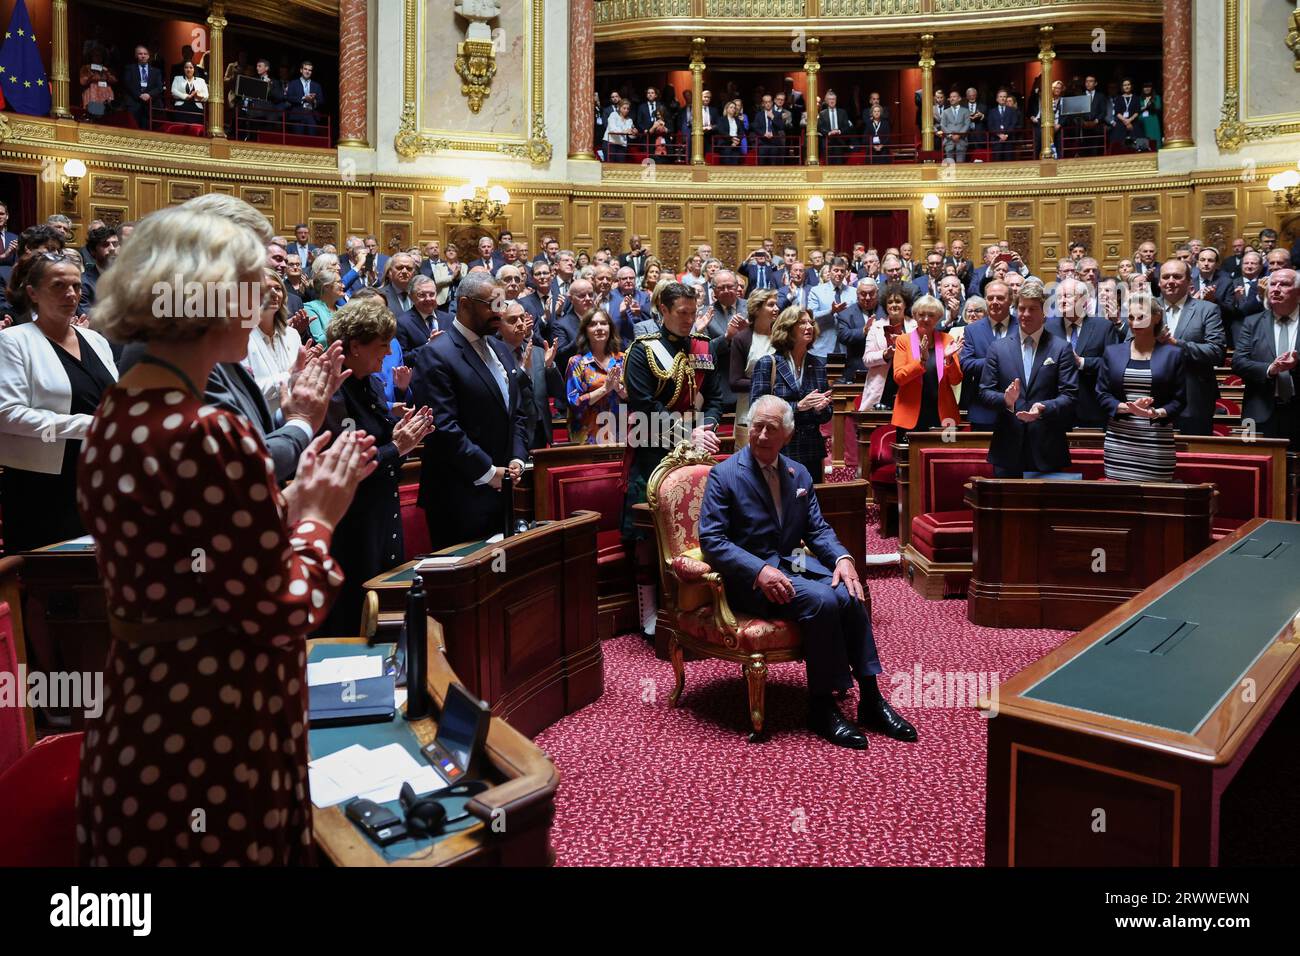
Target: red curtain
{"x": 875, "y": 229}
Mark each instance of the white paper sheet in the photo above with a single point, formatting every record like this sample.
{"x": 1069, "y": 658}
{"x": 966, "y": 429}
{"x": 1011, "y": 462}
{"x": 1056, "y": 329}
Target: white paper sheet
{"x": 335, "y": 670}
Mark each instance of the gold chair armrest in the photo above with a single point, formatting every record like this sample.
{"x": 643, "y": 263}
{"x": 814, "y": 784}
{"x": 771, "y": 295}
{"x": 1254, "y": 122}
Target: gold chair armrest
{"x": 723, "y": 616}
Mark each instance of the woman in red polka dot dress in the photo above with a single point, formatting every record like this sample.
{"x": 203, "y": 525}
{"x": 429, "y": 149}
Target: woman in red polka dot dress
{"x": 213, "y": 578}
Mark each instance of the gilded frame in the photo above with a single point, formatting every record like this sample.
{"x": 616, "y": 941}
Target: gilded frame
{"x": 411, "y": 141}
{"x": 1233, "y": 130}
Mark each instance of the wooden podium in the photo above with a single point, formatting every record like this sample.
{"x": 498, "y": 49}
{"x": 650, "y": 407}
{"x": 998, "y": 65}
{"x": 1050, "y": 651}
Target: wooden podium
{"x": 1061, "y": 554}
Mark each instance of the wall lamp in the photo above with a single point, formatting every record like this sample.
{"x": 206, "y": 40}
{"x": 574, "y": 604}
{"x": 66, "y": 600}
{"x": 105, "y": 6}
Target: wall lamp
{"x": 74, "y": 170}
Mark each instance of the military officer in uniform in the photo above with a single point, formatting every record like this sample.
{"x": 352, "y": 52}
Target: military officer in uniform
{"x": 669, "y": 371}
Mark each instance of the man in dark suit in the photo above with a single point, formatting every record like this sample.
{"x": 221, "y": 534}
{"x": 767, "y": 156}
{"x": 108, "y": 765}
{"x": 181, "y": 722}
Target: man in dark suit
{"x": 1196, "y": 327}
{"x": 768, "y": 126}
{"x": 628, "y": 305}
{"x": 306, "y": 97}
{"x": 636, "y": 258}
{"x": 1003, "y": 123}
{"x": 1088, "y": 337}
{"x": 1232, "y": 264}
{"x": 396, "y": 286}
{"x": 488, "y": 255}
{"x": 1031, "y": 381}
{"x": 853, "y": 323}
{"x": 975, "y": 344}
{"x": 1092, "y": 123}
{"x": 424, "y": 320}
{"x": 1266, "y": 359}
{"x": 581, "y": 303}
{"x": 834, "y": 126}
{"x": 1246, "y": 298}
{"x": 978, "y": 122}
{"x": 759, "y": 272}
{"x": 103, "y": 245}
{"x": 795, "y": 291}
{"x": 650, "y": 118}
{"x": 712, "y": 116}
{"x": 762, "y": 530}
{"x": 928, "y": 284}
{"x": 1209, "y": 282}
{"x": 470, "y": 381}
{"x": 8, "y": 240}
{"x": 541, "y": 380}
{"x": 302, "y": 245}
{"x": 143, "y": 86}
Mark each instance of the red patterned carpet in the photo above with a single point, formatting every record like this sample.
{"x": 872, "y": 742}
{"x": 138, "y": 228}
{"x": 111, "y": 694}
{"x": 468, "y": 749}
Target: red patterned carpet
{"x": 645, "y": 785}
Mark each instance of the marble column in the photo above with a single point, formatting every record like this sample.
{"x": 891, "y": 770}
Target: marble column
{"x": 697, "y": 101}
{"x": 59, "y": 61}
{"x": 216, "y": 73}
{"x": 1176, "y": 93}
{"x": 926, "y": 63}
{"x": 582, "y": 78}
{"x": 1046, "y": 114}
{"x": 812, "y": 65}
{"x": 354, "y": 71}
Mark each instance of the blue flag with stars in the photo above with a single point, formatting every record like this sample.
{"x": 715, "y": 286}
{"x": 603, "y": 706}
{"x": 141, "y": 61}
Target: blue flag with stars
{"x": 22, "y": 74}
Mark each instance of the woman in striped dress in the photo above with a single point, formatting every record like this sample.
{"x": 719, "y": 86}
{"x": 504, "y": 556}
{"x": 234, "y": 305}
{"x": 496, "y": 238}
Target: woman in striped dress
{"x": 1142, "y": 385}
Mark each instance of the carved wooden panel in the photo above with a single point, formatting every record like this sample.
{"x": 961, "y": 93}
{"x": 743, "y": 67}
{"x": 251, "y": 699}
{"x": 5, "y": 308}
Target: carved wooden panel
{"x": 1219, "y": 233}
{"x": 324, "y": 202}
{"x": 670, "y": 213}
{"x": 547, "y": 209}
{"x": 326, "y": 232}
{"x": 1141, "y": 204}
{"x": 962, "y": 234}
{"x": 1142, "y": 232}
{"x": 395, "y": 236}
{"x": 397, "y": 204}
{"x": 1022, "y": 241}
{"x": 784, "y": 237}
{"x": 1220, "y": 199}
{"x": 109, "y": 187}
{"x": 179, "y": 192}
{"x": 612, "y": 212}
{"x": 727, "y": 213}
{"x": 668, "y": 247}
{"x": 727, "y": 248}
{"x": 112, "y": 215}
{"x": 959, "y": 212}
{"x": 1075, "y": 548}
{"x": 1082, "y": 234}
{"x": 612, "y": 238}
{"x": 1020, "y": 210}
{"x": 785, "y": 214}
{"x": 1079, "y": 208}
{"x": 260, "y": 198}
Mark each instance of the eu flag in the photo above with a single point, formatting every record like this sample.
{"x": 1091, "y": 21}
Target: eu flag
{"x": 22, "y": 74}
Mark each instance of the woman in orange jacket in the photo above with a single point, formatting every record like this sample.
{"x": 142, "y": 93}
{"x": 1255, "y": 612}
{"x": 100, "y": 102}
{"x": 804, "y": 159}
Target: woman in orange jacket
{"x": 926, "y": 368}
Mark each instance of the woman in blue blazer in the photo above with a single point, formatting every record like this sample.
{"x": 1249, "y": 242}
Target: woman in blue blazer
{"x": 799, "y": 377}
{"x": 1142, "y": 387}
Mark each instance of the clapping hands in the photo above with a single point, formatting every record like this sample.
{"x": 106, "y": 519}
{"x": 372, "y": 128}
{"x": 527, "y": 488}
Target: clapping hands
{"x": 410, "y": 431}
{"x": 814, "y": 401}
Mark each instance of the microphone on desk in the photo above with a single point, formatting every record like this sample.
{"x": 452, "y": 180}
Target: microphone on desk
{"x": 418, "y": 704}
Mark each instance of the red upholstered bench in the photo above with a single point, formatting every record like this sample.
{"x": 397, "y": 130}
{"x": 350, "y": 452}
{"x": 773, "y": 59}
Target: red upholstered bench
{"x": 415, "y": 531}
{"x": 1245, "y": 484}
{"x": 597, "y": 486}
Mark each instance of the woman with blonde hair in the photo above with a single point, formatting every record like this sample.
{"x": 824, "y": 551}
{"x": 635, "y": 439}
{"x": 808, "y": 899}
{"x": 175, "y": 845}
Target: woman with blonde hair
{"x": 329, "y": 290}
{"x": 792, "y": 372}
{"x": 748, "y": 346}
{"x": 926, "y": 368}
{"x": 274, "y": 346}
{"x": 212, "y": 576}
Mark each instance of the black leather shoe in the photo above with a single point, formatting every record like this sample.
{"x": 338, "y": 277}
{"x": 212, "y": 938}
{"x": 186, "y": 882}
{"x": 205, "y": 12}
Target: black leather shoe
{"x": 876, "y": 715}
{"x": 829, "y": 724}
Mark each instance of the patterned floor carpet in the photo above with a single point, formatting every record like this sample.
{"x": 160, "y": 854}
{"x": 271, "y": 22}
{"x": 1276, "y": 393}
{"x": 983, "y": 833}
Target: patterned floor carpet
{"x": 645, "y": 785}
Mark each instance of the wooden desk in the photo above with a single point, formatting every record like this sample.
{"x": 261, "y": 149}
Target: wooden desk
{"x": 65, "y": 614}
{"x": 521, "y": 803}
{"x": 1061, "y": 554}
{"x": 519, "y": 619}
{"x": 1157, "y": 773}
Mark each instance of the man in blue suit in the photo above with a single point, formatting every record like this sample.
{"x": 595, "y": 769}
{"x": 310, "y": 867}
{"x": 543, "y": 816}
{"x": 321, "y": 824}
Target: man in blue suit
{"x": 1088, "y": 337}
{"x": 305, "y": 97}
{"x": 975, "y": 345}
{"x": 762, "y": 530}
{"x": 826, "y": 302}
{"x": 1031, "y": 381}
{"x": 853, "y": 324}
{"x": 143, "y": 86}
{"x": 424, "y": 320}
{"x": 628, "y": 305}
{"x": 469, "y": 379}
{"x": 8, "y": 240}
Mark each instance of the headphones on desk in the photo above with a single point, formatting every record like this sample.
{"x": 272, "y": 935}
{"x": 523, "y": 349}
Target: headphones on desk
{"x": 426, "y": 816}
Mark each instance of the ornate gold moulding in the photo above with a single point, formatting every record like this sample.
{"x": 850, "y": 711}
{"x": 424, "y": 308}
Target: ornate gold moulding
{"x": 476, "y": 65}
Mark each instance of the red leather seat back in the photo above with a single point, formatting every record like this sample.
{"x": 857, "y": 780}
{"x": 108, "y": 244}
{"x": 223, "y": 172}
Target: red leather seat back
{"x": 879, "y": 450}
{"x": 595, "y": 486}
{"x": 944, "y": 473}
{"x": 1245, "y": 482}
{"x": 13, "y": 720}
{"x": 39, "y": 795}
{"x": 415, "y": 531}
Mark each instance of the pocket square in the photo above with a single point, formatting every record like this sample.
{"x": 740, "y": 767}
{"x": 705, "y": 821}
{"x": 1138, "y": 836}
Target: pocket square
{"x": 800, "y": 492}
{"x": 1050, "y": 361}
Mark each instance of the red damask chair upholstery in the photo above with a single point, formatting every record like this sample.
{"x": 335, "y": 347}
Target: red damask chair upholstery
{"x": 705, "y": 623}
